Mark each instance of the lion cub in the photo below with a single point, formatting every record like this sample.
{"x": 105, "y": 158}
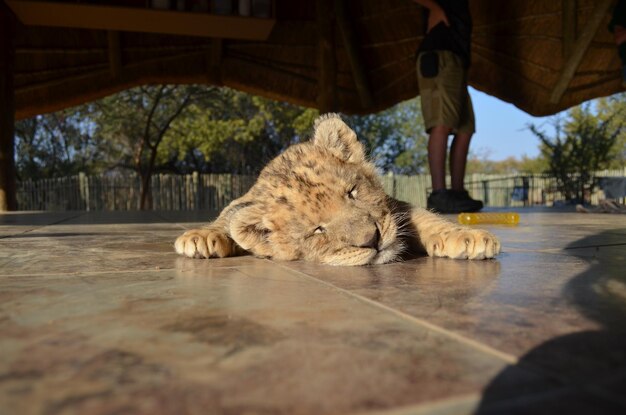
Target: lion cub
{"x": 322, "y": 201}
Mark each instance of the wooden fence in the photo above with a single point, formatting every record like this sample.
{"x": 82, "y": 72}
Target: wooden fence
{"x": 214, "y": 191}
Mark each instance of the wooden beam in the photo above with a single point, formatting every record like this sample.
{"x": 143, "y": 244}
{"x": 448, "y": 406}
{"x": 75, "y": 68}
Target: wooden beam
{"x": 326, "y": 63}
{"x": 8, "y": 200}
{"x": 131, "y": 19}
{"x": 115, "y": 53}
{"x": 350, "y": 44}
{"x": 580, "y": 48}
{"x": 568, "y": 13}
{"x": 130, "y": 68}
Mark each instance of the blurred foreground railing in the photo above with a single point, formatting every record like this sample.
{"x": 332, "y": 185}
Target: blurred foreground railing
{"x": 214, "y": 191}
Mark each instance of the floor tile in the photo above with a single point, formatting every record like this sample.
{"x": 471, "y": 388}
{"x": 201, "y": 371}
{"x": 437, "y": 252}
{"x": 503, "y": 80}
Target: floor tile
{"x": 528, "y": 305}
{"x": 256, "y": 339}
{"x": 99, "y": 315}
{"x": 187, "y": 217}
{"x": 549, "y": 231}
{"x": 116, "y": 218}
{"x": 99, "y": 242}
{"x": 15, "y": 223}
{"x": 63, "y": 250}
{"x": 459, "y": 405}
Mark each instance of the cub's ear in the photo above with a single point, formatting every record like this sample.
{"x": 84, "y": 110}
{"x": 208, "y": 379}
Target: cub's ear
{"x": 335, "y": 135}
{"x": 248, "y": 230}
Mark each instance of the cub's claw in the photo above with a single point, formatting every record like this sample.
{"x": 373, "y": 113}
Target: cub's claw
{"x": 204, "y": 243}
{"x": 463, "y": 244}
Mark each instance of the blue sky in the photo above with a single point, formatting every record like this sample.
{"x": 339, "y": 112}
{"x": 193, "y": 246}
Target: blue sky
{"x": 501, "y": 129}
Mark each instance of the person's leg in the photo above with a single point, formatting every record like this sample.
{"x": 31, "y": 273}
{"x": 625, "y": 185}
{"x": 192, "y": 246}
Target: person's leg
{"x": 437, "y": 149}
{"x": 461, "y": 142}
{"x": 458, "y": 159}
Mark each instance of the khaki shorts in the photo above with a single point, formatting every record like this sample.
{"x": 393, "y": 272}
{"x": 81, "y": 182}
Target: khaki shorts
{"x": 445, "y": 99}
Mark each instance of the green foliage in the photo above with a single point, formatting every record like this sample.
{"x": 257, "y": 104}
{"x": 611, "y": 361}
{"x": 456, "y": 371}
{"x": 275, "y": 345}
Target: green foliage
{"x": 233, "y": 132}
{"x": 135, "y": 122}
{"x": 479, "y": 162}
{"x": 581, "y": 145}
{"x": 394, "y": 138}
{"x": 613, "y": 110}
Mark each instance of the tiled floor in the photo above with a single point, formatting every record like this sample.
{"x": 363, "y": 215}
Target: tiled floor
{"x": 99, "y": 316}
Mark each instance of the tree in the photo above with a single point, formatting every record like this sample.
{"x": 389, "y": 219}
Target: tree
{"x": 395, "y": 138}
{"x": 166, "y": 128}
{"x": 479, "y": 162}
{"x": 234, "y": 133}
{"x": 613, "y": 110}
{"x": 581, "y": 145}
{"x": 56, "y": 144}
{"x": 135, "y": 122}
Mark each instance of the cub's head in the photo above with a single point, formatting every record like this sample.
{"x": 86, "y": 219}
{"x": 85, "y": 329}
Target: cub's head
{"x": 319, "y": 201}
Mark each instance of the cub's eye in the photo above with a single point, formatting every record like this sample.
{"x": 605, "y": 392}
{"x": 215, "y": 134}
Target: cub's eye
{"x": 352, "y": 193}
{"x": 320, "y": 229}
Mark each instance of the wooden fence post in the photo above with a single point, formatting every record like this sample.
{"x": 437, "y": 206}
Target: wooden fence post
{"x": 83, "y": 186}
{"x": 197, "y": 190}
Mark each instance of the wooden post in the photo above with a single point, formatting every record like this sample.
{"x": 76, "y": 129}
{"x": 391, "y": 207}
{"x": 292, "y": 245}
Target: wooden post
{"x": 214, "y": 61}
{"x": 568, "y": 10}
{"x": 350, "y": 44}
{"x": 326, "y": 97}
{"x": 579, "y": 49}
{"x": 83, "y": 183}
{"x": 196, "y": 190}
{"x": 115, "y": 53}
{"x": 7, "y": 111}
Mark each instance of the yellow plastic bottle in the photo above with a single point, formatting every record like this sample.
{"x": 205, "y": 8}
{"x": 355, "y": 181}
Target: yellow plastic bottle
{"x": 502, "y": 218}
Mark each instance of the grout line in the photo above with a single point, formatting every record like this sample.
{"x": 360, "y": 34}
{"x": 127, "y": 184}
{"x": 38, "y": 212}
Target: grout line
{"x": 166, "y": 220}
{"x": 593, "y": 246}
{"x": 42, "y": 226}
{"x": 508, "y": 358}
{"x": 129, "y": 271}
{"x": 80, "y": 273}
{"x": 560, "y": 250}
{"x": 201, "y": 223}
{"x": 460, "y": 404}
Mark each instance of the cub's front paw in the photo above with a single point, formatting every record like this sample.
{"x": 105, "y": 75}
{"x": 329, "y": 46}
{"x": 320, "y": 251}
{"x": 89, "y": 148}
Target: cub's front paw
{"x": 463, "y": 244}
{"x": 205, "y": 243}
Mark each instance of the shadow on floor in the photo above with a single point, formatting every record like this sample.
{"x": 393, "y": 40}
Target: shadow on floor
{"x": 39, "y": 219}
{"x": 35, "y": 218}
{"x": 587, "y": 368}
{"x": 35, "y": 234}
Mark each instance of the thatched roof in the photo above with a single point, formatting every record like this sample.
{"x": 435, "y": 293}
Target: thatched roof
{"x": 531, "y": 53}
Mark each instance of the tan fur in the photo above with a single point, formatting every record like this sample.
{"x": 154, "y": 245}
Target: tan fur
{"x": 322, "y": 201}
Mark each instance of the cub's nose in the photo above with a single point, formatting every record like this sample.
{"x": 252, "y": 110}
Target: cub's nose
{"x": 371, "y": 240}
